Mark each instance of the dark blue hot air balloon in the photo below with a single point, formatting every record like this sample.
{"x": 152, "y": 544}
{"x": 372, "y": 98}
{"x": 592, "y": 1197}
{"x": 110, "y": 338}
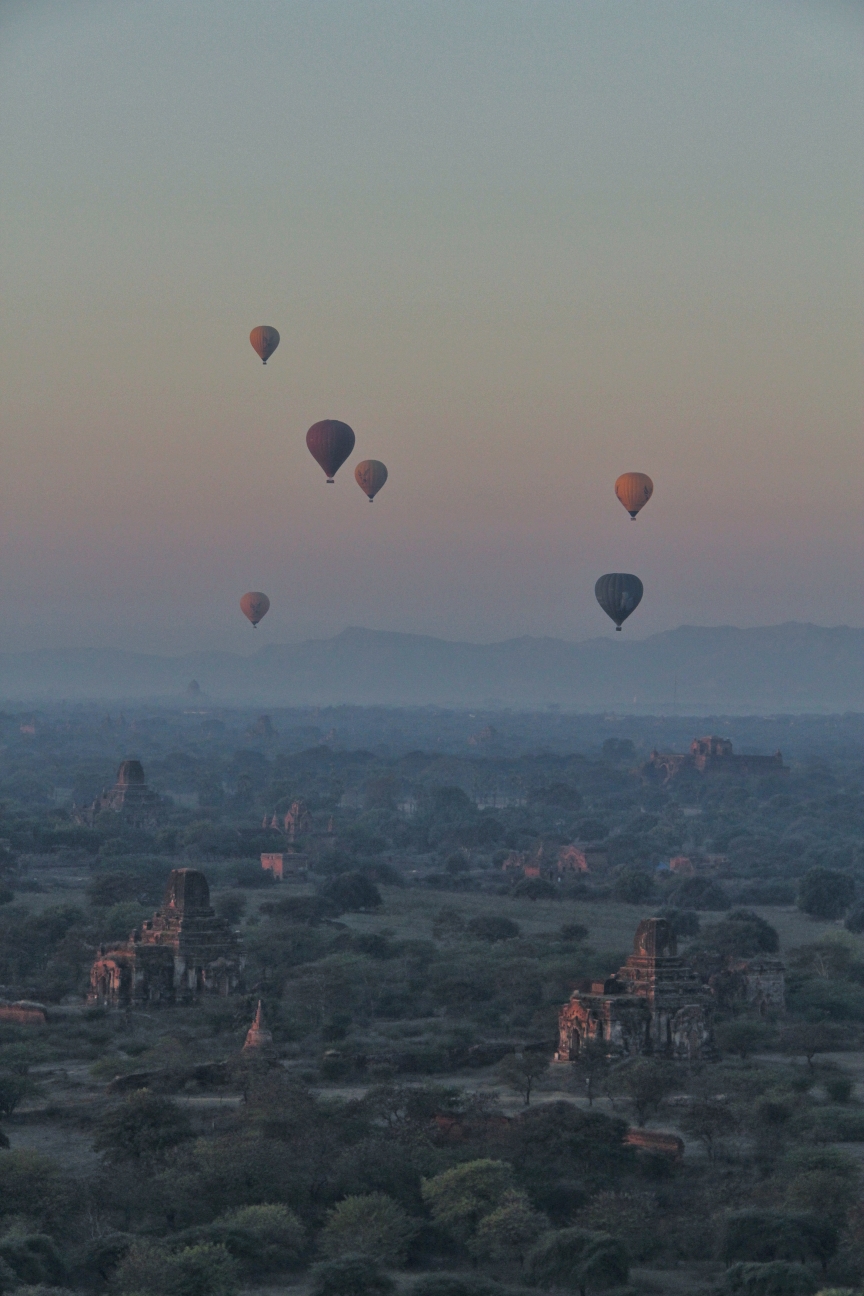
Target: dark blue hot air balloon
{"x": 618, "y": 594}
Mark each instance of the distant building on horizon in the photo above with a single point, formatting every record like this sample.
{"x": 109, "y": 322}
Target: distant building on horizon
{"x": 711, "y": 755}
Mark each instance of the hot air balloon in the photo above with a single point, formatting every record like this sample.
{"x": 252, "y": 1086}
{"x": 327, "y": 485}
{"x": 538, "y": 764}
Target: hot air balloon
{"x": 370, "y": 476}
{"x": 255, "y": 605}
{"x": 634, "y": 491}
{"x": 265, "y": 340}
{"x": 618, "y": 594}
{"x": 330, "y": 443}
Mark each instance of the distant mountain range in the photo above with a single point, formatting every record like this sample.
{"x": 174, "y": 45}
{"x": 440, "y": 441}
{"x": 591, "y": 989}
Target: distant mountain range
{"x": 698, "y": 669}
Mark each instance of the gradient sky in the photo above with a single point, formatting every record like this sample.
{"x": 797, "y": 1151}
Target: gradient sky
{"x": 520, "y": 247}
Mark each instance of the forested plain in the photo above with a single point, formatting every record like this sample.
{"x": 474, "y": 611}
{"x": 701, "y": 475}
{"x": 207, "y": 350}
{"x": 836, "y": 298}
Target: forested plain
{"x": 408, "y": 1129}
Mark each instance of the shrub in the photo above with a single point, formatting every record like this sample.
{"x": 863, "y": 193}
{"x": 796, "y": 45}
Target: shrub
{"x": 350, "y": 1276}
{"x": 372, "y": 1225}
{"x": 203, "y": 1270}
{"x": 579, "y": 1260}
{"x": 777, "y": 1278}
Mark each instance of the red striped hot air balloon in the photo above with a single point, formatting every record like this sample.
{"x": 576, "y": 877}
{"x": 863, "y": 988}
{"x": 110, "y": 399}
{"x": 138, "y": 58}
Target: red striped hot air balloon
{"x": 265, "y": 340}
{"x": 330, "y": 443}
{"x": 634, "y": 491}
{"x": 254, "y": 605}
{"x": 370, "y": 476}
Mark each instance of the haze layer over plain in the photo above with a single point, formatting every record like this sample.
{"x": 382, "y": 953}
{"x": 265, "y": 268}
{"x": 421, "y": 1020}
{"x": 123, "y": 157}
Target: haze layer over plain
{"x": 520, "y": 248}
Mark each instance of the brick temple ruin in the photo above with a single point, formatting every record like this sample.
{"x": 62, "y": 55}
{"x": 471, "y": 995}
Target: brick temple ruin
{"x": 182, "y": 952}
{"x": 710, "y": 755}
{"x": 130, "y": 797}
{"x": 654, "y": 1004}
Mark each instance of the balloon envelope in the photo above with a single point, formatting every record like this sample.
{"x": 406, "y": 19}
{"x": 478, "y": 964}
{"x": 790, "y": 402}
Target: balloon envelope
{"x": 254, "y": 605}
{"x": 618, "y": 594}
{"x": 370, "y": 476}
{"x": 265, "y": 340}
{"x": 634, "y": 491}
{"x": 330, "y": 443}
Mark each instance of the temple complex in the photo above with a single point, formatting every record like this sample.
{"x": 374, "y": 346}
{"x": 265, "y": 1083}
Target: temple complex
{"x": 182, "y": 952}
{"x": 655, "y": 1004}
{"x": 711, "y": 755}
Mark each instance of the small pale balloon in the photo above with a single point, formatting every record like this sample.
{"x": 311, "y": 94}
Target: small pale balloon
{"x": 330, "y": 443}
{"x": 254, "y": 605}
{"x": 265, "y": 340}
{"x": 634, "y": 491}
{"x": 619, "y": 594}
{"x": 370, "y": 476}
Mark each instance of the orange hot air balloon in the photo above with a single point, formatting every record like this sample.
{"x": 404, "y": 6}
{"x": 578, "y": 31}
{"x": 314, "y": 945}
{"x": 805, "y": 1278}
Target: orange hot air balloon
{"x": 265, "y": 340}
{"x": 634, "y": 491}
{"x": 330, "y": 443}
{"x": 370, "y": 476}
{"x": 255, "y": 605}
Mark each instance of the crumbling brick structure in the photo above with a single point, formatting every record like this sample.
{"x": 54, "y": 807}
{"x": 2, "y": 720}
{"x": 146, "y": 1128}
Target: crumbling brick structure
{"x": 182, "y": 952}
{"x": 655, "y": 1004}
{"x": 130, "y": 797}
{"x": 710, "y": 755}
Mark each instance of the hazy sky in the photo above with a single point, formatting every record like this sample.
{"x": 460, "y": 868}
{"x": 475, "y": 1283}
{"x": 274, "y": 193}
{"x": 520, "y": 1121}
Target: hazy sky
{"x": 519, "y": 247}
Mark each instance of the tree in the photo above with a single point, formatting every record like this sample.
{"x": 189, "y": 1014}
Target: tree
{"x": 806, "y": 1039}
{"x": 263, "y": 1239}
{"x": 490, "y": 928}
{"x": 646, "y": 1082}
{"x": 825, "y": 1184}
{"x": 459, "y": 1198}
{"x": 142, "y": 1127}
{"x": 372, "y": 1225}
{"x": 741, "y": 1036}
{"x": 13, "y": 1087}
{"x": 709, "y": 1120}
{"x": 572, "y": 932}
{"x": 698, "y": 893}
{"x": 765, "y": 1235}
{"x": 741, "y": 934}
{"x": 825, "y": 893}
{"x": 592, "y": 1063}
{"x": 350, "y": 1276}
{"x": 352, "y": 893}
{"x": 520, "y": 1071}
{"x": 203, "y": 1270}
{"x": 578, "y": 1259}
{"x": 633, "y": 886}
{"x": 506, "y": 1234}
